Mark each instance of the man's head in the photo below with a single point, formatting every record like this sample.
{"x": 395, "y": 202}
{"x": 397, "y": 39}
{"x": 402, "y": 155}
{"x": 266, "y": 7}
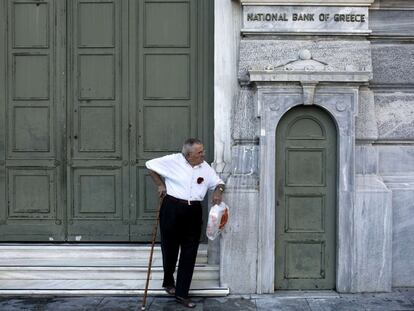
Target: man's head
{"x": 193, "y": 151}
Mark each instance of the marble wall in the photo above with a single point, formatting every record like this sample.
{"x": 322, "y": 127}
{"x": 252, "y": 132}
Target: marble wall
{"x": 392, "y": 23}
{"x": 402, "y": 188}
{"x": 380, "y": 242}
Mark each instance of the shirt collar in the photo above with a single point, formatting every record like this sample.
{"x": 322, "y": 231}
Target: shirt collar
{"x": 188, "y": 163}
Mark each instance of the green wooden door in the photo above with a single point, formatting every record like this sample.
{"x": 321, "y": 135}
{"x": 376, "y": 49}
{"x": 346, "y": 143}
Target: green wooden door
{"x": 171, "y": 54}
{"x": 306, "y": 200}
{"x": 31, "y": 118}
{"x": 91, "y": 90}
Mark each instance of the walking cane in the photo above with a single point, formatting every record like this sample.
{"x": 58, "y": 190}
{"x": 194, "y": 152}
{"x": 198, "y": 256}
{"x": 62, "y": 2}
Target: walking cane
{"x": 154, "y": 236}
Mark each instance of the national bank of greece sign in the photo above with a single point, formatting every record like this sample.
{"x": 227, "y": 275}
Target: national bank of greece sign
{"x": 305, "y": 19}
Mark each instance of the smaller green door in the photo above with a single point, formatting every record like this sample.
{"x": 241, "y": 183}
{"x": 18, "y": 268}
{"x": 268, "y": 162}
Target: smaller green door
{"x": 306, "y": 200}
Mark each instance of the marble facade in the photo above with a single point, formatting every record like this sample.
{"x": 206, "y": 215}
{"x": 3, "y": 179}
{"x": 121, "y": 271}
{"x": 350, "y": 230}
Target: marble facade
{"x": 363, "y": 78}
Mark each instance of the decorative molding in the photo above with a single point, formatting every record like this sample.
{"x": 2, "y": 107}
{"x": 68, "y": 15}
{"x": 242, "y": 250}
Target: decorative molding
{"x": 306, "y": 70}
{"x": 309, "y": 2}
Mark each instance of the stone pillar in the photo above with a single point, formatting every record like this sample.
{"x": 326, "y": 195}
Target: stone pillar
{"x": 240, "y": 236}
{"x": 226, "y": 88}
{"x": 225, "y": 77}
{"x": 373, "y": 207}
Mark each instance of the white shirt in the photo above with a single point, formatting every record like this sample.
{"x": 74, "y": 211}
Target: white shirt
{"x": 181, "y": 178}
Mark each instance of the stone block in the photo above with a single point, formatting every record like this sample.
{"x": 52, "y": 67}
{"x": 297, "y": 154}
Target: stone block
{"x": 335, "y": 305}
{"x": 395, "y": 115}
{"x": 408, "y": 293}
{"x": 365, "y": 125}
{"x": 393, "y": 4}
{"x": 395, "y": 159}
{"x": 238, "y": 258}
{"x": 245, "y": 160}
{"x": 392, "y": 22}
{"x": 403, "y": 229}
{"x": 229, "y": 304}
{"x": 282, "y": 304}
{"x": 372, "y": 247}
{"x": 392, "y": 64}
{"x": 366, "y": 159}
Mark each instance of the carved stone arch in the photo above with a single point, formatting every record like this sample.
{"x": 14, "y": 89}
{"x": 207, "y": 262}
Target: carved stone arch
{"x": 340, "y": 101}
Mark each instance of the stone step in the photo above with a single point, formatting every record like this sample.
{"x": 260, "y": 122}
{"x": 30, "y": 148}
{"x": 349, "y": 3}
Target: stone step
{"x": 81, "y": 255}
{"x": 201, "y": 272}
{"x": 94, "y": 269}
{"x": 205, "y": 292}
{"x": 98, "y": 278}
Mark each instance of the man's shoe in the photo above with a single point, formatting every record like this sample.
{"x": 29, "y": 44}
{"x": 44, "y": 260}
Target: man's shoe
{"x": 170, "y": 289}
{"x": 186, "y": 302}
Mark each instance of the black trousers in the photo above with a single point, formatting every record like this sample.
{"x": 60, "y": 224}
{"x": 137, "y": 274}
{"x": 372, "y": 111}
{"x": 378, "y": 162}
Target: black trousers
{"x": 180, "y": 226}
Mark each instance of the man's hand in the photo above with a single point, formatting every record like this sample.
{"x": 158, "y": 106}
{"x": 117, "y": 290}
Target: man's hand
{"x": 217, "y": 197}
{"x": 162, "y": 191}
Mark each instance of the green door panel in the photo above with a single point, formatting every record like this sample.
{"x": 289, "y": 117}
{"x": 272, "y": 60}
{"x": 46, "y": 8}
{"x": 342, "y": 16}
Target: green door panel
{"x": 306, "y": 200}
{"x": 31, "y": 114}
{"x": 98, "y": 117}
{"x": 91, "y": 90}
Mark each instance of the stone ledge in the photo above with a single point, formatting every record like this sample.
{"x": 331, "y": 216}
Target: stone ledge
{"x": 308, "y": 76}
{"x": 309, "y": 2}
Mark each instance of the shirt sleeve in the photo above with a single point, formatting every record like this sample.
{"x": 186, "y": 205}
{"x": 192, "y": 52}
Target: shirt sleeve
{"x": 161, "y": 165}
{"x": 215, "y": 180}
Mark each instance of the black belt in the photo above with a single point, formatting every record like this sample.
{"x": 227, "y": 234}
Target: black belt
{"x": 186, "y": 202}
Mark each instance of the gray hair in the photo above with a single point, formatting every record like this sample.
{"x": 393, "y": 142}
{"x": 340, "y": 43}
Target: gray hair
{"x": 188, "y": 145}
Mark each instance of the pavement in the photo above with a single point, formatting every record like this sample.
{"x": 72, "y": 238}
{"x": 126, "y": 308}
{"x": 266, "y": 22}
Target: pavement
{"x": 401, "y": 299}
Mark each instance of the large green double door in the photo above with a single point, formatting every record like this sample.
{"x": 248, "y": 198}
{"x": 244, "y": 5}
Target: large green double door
{"x": 90, "y": 90}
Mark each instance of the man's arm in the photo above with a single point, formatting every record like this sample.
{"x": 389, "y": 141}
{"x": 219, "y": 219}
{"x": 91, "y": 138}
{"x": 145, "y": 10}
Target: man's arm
{"x": 218, "y": 194}
{"x": 162, "y": 190}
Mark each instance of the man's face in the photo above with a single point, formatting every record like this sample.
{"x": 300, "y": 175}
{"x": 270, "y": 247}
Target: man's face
{"x": 196, "y": 156}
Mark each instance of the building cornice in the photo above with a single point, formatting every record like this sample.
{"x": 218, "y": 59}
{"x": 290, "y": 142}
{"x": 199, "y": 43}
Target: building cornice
{"x": 309, "y": 2}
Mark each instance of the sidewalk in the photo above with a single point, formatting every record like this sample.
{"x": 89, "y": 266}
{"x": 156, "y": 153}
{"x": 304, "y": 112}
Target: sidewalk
{"x": 399, "y": 300}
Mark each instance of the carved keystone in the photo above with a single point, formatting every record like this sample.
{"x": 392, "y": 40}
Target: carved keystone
{"x": 308, "y": 92}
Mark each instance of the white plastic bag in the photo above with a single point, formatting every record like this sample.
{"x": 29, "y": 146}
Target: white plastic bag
{"x": 217, "y": 218}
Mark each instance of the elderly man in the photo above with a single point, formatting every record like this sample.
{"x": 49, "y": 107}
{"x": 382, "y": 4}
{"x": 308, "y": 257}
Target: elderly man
{"x": 183, "y": 179}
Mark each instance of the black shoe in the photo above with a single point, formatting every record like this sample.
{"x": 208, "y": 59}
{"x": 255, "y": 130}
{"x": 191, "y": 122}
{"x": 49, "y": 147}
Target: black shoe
{"x": 170, "y": 290}
{"x": 186, "y": 302}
